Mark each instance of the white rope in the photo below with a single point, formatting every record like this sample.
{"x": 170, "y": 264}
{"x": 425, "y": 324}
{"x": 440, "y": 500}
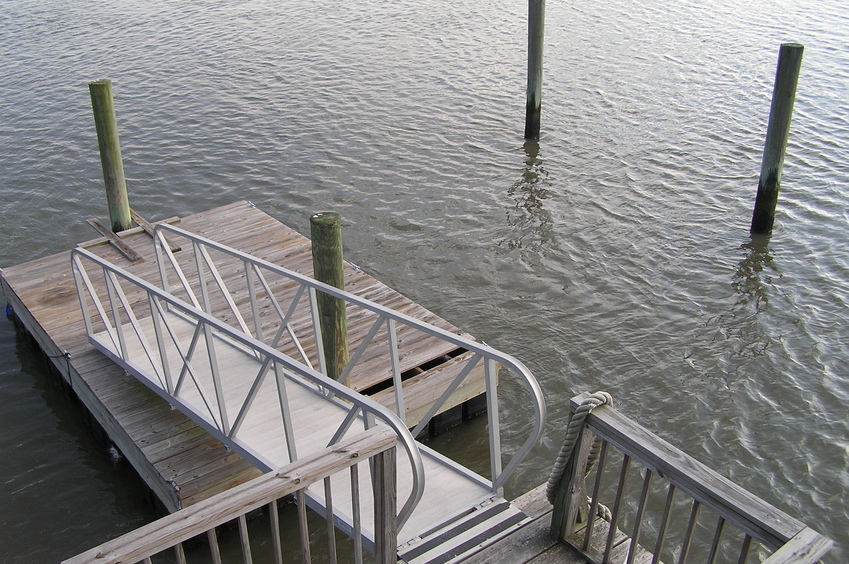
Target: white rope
{"x": 573, "y": 429}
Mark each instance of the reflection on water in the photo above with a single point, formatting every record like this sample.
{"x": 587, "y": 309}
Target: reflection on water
{"x": 753, "y": 280}
{"x": 531, "y": 222}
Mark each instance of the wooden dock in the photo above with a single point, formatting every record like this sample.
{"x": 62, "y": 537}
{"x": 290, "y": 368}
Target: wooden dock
{"x": 181, "y": 463}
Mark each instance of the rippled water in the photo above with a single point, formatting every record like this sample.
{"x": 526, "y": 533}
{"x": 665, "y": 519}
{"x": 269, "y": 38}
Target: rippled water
{"x": 614, "y": 254}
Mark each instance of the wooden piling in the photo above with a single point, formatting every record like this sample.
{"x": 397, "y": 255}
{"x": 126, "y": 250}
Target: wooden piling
{"x": 326, "y": 235}
{"x": 536, "y": 33}
{"x": 110, "y": 154}
{"x": 780, "y": 113}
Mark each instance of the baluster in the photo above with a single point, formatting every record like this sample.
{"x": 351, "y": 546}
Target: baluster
{"x": 331, "y": 526}
{"x": 304, "y": 527}
{"x": 688, "y": 534}
{"x": 638, "y": 523}
{"x": 744, "y": 550}
{"x": 599, "y": 478}
{"x": 246, "y": 542}
{"x": 617, "y": 505}
{"x": 714, "y": 547}
{"x": 274, "y": 518}
{"x": 664, "y": 525}
{"x": 355, "y": 510}
{"x": 214, "y": 551}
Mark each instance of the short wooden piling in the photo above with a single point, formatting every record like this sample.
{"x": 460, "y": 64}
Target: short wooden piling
{"x": 778, "y": 130}
{"x": 536, "y": 33}
{"x": 326, "y": 235}
{"x": 110, "y": 154}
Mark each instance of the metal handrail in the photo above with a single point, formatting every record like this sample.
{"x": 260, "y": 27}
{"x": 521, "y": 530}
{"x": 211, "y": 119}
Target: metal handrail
{"x": 111, "y": 311}
{"x": 253, "y": 268}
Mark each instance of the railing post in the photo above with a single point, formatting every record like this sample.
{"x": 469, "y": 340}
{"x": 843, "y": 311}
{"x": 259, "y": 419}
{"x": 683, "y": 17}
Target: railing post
{"x": 570, "y": 501}
{"x": 385, "y": 508}
{"x": 110, "y": 154}
{"x": 778, "y": 130}
{"x": 328, "y": 267}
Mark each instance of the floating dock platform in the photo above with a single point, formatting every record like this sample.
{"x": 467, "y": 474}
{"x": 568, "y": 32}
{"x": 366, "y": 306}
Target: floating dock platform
{"x": 180, "y": 462}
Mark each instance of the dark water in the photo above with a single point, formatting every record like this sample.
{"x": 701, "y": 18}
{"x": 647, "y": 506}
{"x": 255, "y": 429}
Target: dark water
{"x": 614, "y": 254}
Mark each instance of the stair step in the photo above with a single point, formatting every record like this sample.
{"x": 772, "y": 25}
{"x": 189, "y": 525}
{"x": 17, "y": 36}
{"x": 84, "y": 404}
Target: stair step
{"x": 461, "y": 535}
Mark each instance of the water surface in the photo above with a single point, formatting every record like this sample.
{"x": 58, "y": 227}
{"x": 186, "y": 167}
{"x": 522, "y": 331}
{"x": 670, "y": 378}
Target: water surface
{"x": 614, "y": 254}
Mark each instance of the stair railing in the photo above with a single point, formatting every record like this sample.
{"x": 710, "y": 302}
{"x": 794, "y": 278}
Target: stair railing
{"x": 266, "y": 301}
{"x": 128, "y": 319}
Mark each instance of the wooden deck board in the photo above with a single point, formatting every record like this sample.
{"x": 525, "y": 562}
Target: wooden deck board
{"x": 163, "y": 445}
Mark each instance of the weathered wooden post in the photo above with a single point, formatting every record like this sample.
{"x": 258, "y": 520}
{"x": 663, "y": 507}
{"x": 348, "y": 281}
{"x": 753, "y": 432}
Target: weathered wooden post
{"x": 326, "y": 235}
{"x": 778, "y": 130}
{"x": 110, "y": 154}
{"x": 536, "y": 33}
{"x": 571, "y": 507}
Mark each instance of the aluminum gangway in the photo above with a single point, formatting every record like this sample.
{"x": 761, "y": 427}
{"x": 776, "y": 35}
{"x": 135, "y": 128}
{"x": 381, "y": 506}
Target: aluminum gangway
{"x": 234, "y": 342}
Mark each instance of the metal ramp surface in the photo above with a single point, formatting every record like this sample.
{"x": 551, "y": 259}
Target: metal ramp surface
{"x": 272, "y": 408}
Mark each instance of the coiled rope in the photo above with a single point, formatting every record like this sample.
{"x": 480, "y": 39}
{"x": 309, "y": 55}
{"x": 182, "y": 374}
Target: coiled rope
{"x": 573, "y": 429}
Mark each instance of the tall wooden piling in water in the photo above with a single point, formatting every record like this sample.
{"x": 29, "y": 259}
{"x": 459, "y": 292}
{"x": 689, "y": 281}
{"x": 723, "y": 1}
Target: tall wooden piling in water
{"x": 326, "y": 235}
{"x": 110, "y": 154}
{"x": 536, "y": 34}
{"x": 778, "y": 130}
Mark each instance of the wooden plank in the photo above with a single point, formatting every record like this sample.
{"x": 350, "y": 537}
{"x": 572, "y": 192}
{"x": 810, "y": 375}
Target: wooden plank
{"x": 196, "y": 520}
{"x": 116, "y": 241}
{"x": 807, "y": 547}
{"x": 148, "y": 227}
{"x": 423, "y": 390}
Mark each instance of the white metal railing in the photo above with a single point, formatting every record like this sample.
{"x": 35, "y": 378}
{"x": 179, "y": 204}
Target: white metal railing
{"x": 375, "y": 447}
{"x": 154, "y": 334}
{"x": 267, "y": 301}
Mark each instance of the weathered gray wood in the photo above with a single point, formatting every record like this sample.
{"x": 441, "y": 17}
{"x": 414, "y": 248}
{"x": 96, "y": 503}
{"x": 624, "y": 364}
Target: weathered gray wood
{"x": 214, "y": 550}
{"x": 617, "y": 506}
{"x": 245, "y": 540}
{"x": 742, "y": 508}
{"x": 303, "y": 526}
{"x": 778, "y": 130}
{"x": 326, "y": 235}
{"x": 328, "y": 517}
{"x": 106, "y": 124}
{"x": 571, "y": 508}
{"x": 536, "y": 37}
{"x": 238, "y": 501}
{"x": 807, "y": 547}
{"x": 147, "y": 227}
{"x": 385, "y": 508}
{"x": 274, "y": 518}
{"x": 116, "y": 241}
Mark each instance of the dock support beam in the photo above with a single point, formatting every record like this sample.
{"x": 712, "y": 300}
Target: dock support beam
{"x": 536, "y": 33}
{"x": 775, "y": 146}
{"x": 328, "y": 267}
{"x": 110, "y": 154}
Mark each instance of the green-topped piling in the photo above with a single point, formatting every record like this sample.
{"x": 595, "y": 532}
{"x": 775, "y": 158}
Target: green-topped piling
{"x": 328, "y": 267}
{"x": 110, "y": 154}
